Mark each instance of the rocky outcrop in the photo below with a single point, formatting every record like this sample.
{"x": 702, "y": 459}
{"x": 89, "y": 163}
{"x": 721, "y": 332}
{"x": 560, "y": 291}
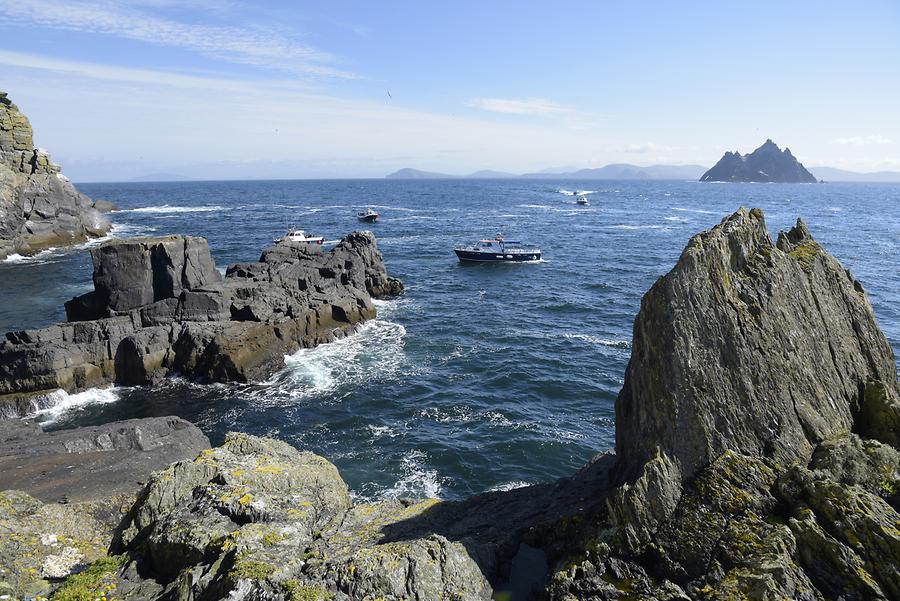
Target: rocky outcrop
{"x": 160, "y": 307}
{"x": 92, "y": 463}
{"x": 750, "y": 461}
{"x": 87, "y": 479}
{"x": 766, "y": 470}
{"x": 39, "y": 207}
{"x": 766, "y": 164}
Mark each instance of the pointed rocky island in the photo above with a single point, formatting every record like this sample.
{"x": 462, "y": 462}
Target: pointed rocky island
{"x": 766, "y": 164}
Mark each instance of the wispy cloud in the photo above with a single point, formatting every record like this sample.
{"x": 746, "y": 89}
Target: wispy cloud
{"x": 531, "y": 106}
{"x": 259, "y": 47}
{"x": 863, "y": 140}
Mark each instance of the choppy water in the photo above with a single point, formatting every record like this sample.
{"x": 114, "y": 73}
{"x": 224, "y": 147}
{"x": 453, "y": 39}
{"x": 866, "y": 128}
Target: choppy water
{"x": 480, "y": 377}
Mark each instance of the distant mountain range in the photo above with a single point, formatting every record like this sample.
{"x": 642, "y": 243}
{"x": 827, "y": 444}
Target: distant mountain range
{"x": 617, "y": 171}
{"x": 625, "y": 171}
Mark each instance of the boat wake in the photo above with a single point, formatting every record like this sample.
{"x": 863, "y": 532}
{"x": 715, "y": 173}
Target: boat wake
{"x": 166, "y": 209}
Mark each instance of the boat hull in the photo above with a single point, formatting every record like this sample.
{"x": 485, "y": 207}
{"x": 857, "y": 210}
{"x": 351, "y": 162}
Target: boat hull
{"x": 368, "y": 218}
{"x": 469, "y": 256}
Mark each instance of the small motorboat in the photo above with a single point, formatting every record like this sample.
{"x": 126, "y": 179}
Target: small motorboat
{"x": 581, "y": 199}
{"x": 368, "y": 216}
{"x": 498, "y": 250}
{"x": 295, "y": 235}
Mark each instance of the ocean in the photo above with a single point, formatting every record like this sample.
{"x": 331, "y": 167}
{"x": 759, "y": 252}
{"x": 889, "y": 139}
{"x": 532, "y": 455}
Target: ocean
{"x": 481, "y": 377}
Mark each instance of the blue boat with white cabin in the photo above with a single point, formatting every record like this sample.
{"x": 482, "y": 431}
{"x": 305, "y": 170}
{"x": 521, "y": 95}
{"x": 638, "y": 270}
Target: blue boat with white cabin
{"x": 498, "y": 250}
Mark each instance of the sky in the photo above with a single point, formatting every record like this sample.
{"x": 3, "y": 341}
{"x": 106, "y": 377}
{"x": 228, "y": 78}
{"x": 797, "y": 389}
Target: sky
{"x": 232, "y": 89}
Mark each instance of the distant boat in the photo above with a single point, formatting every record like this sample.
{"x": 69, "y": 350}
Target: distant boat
{"x": 295, "y": 235}
{"x": 581, "y": 199}
{"x": 498, "y": 250}
{"x": 368, "y": 216}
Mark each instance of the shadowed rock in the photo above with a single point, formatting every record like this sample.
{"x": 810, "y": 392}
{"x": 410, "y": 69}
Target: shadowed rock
{"x": 159, "y": 307}
{"x": 39, "y": 207}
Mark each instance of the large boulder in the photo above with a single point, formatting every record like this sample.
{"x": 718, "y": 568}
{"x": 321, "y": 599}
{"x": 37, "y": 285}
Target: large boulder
{"x": 39, "y": 207}
{"x": 257, "y": 519}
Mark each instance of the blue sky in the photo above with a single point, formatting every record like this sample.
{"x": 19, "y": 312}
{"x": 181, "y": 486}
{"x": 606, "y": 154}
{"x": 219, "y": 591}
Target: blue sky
{"x": 224, "y": 89}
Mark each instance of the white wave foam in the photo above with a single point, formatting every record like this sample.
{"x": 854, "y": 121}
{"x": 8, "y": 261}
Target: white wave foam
{"x": 623, "y": 226}
{"x": 693, "y": 210}
{"x": 382, "y": 431}
{"x": 507, "y": 486}
{"x": 391, "y": 207}
{"x": 622, "y": 344}
{"x": 164, "y": 209}
{"x": 51, "y": 407}
{"x": 417, "y": 481}
{"x": 677, "y": 219}
{"x": 36, "y": 258}
{"x": 375, "y": 352}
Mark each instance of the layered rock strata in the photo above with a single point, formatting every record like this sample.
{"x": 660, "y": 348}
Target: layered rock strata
{"x": 766, "y": 470}
{"x": 160, "y": 307}
{"x": 39, "y": 207}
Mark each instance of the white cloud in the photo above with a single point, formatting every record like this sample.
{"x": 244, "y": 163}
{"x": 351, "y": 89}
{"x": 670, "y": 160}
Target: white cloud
{"x": 532, "y": 106}
{"x": 243, "y": 45}
{"x": 641, "y": 148}
{"x": 863, "y": 140}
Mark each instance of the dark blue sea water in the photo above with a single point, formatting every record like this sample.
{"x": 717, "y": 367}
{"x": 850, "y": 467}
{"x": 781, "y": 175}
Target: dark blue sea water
{"x": 480, "y": 377}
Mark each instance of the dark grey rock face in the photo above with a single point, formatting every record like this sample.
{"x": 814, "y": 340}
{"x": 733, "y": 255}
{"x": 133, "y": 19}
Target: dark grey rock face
{"x": 766, "y": 164}
{"x": 39, "y": 207}
{"x": 159, "y": 306}
{"x": 749, "y": 346}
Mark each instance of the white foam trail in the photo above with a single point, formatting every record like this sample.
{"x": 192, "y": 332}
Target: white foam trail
{"x": 576, "y": 192}
{"x": 507, "y": 486}
{"x": 636, "y": 227}
{"x": 417, "y": 481}
{"x": 678, "y": 219}
{"x": 693, "y": 210}
{"x": 375, "y": 352}
{"x": 165, "y": 209}
{"x": 51, "y": 407}
{"x": 622, "y": 344}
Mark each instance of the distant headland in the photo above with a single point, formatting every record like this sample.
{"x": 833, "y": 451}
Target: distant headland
{"x": 766, "y": 164}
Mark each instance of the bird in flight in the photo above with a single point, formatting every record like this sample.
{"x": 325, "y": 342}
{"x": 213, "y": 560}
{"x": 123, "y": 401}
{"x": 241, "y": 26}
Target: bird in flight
{"x": 389, "y": 95}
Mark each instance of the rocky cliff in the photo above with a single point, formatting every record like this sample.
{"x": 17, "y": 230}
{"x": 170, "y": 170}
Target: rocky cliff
{"x": 39, "y": 207}
{"x": 766, "y": 164}
{"x": 160, "y": 307}
{"x": 757, "y": 437}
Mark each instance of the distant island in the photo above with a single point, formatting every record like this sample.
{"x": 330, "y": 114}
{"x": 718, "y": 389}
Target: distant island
{"x": 618, "y": 171}
{"x": 766, "y": 164}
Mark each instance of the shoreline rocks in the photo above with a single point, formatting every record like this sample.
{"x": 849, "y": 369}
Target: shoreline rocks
{"x": 755, "y": 459}
{"x": 160, "y": 307}
{"x": 65, "y": 493}
{"x": 39, "y": 206}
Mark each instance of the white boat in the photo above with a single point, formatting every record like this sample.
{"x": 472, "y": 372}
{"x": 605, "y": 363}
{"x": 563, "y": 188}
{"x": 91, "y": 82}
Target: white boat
{"x": 581, "y": 199}
{"x": 368, "y": 216}
{"x": 295, "y": 235}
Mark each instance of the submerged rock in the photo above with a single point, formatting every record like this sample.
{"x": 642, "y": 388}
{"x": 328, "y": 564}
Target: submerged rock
{"x": 39, "y": 207}
{"x": 766, "y": 164}
{"x": 160, "y": 307}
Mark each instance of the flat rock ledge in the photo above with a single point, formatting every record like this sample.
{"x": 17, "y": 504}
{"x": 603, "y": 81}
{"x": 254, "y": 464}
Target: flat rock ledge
{"x": 39, "y": 206}
{"x": 766, "y": 470}
{"x": 160, "y": 307}
{"x": 66, "y": 492}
